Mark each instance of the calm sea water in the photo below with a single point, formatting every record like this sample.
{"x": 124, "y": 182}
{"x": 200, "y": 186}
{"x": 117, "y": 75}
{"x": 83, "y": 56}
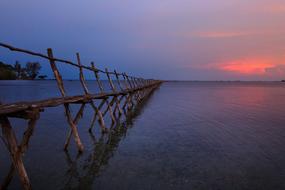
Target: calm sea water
{"x": 188, "y": 135}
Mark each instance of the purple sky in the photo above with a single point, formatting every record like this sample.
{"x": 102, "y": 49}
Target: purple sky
{"x": 167, "y": 39}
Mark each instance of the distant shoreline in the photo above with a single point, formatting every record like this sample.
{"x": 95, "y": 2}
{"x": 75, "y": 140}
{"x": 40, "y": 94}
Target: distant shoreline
{"x": 222, "y": 81}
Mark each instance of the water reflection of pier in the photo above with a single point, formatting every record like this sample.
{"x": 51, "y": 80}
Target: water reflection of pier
{"x": 83, "y": 176}
{"x": 124, "y": 94}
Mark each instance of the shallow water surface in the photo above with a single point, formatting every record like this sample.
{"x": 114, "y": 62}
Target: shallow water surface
{"x": 187, "y": 135}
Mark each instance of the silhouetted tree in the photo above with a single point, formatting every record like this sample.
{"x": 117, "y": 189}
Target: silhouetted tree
{"x": 32, "y": 69}
{"x": 7, "y": 72}
{"x": 18, "y": 69}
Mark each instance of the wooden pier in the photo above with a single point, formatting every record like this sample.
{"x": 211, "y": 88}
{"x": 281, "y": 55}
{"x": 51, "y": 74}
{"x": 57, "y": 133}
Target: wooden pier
{"x": 126, "y": 92}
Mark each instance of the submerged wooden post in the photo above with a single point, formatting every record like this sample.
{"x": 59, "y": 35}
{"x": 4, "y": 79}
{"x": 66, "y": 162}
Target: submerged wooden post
{"x": 75, "y": 121}
{"x": 34, "y": 116}
{"x": 81, "y": 75}
{"x": 117, "y": 106}
{"x": 97, "y": 111}
{"x": 102, "y": 91}
{"x": 127, "y": 101}
{"x": 135, "y": 93}
{"x": 121, "y": 88}
{"x": 66, "y": 106}
{"x": 95, "y": 115}
{"x": 111, "y": 104}
{"x": 15, "y": 152}
{"x": 135, "y": 85}
{"x": 125, "y": 81}
{"x": 97, "y": 77}
{"x": 129, "y": 97}
{"x": 110, "y": 81}
{"x": 118, "y": 80}
{"x": 127, "y": 77}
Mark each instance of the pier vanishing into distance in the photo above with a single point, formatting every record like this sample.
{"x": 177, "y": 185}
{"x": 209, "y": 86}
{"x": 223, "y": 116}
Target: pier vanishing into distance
{"x": 127, "y": 92}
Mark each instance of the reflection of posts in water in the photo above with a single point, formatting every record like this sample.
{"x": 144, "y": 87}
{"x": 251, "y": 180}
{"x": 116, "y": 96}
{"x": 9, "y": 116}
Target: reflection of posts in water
{"x": 99, "y": 157}
{"x": 75, "y": 121}
{"x": 16, "y": 151}
{"x": 83, "y": 177}
{"x": 126, "y": 92}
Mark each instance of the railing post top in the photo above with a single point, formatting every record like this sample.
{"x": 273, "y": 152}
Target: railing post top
{"x": 49, "y": 50}
{"x": 78, "y": 59}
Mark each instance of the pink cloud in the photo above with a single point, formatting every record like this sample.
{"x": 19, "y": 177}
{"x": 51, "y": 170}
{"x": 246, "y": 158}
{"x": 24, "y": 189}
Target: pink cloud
{"x": 254, "y": 66}
{"x": 221, "y": 34}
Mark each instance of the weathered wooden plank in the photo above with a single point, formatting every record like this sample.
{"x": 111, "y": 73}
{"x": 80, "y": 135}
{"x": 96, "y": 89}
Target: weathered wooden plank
{"x": 53, "y": 102}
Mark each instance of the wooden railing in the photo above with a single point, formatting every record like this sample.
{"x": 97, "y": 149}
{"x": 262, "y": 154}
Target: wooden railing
{"x": 122, "y": 98}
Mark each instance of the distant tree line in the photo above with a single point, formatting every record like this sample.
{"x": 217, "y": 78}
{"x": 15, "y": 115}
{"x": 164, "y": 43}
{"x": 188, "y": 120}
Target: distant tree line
{"x": 17, "y": 72}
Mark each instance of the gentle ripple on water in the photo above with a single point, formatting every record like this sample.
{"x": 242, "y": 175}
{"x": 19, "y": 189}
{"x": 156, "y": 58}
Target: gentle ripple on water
{"x": 189, "y": 135}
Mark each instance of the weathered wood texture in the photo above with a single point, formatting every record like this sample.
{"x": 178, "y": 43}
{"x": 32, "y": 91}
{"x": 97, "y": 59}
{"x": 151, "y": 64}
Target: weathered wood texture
{"x": 126, "y": 92}
{"x": 13, "y": 108}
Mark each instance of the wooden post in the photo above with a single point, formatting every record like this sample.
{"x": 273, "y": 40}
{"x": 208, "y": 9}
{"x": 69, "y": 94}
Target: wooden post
{"x": 117, "y": 106}
{"x": 22, "y": 147}
{"x": 121, "y": 98}
{"x": 82, "y": 80}
{"x": 102, "y": 91}
{"x": 129, "y": 81}
{"x": 73, "y": 128}
{"x": 29, "y": 132}
{"x": 95, "y": 115}
{"x": 129, "y": 97}
{"x": 125, "y": 81}
{"x": 97, "y": 77}
{"x": 111, "y": 104}
{"x": 110, "y": 81}
{"x": 66, "y": 106}
{"x": 128, "y": 86}
{"x": 75, "y": 121}
{"x": 15, "y": 152}
{"x": 101, "y": 119}
{"x": 118, "y": 80}
{"x": 56, "y": 72}
{"x": 81, "y": 75}
{"x": 137, "y": 95}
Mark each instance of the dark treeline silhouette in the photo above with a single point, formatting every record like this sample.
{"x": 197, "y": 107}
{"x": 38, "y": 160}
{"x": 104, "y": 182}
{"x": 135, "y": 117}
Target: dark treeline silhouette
{"x": 7, "y": 72}
{"x": 18, "y": 72}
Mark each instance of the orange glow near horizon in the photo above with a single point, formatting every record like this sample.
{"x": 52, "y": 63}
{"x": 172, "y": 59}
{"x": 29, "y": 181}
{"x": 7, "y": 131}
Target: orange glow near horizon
{"x": 248, "y": 66}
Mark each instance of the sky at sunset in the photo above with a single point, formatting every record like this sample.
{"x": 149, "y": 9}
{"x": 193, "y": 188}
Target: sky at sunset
{"x": 166, "y": 39}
